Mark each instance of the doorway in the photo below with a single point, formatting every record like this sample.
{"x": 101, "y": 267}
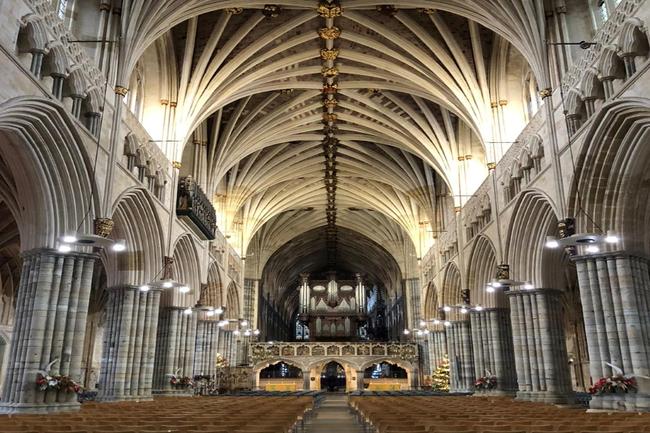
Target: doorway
{"x": 332, "y": 378}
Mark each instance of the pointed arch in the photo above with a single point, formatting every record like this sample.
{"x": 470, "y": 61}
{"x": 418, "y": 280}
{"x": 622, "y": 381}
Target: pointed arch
{"x": 612, "y": 174}
{"x": 136, "y": 221}
{"x": 481, "y": 270}
{"x": 47, "y": 170}
{"x": 215, "y": 295}
{"x": 233, "y": 309}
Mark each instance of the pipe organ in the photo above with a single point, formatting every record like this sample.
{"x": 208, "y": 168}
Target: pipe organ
{"x": 333, "y": 309}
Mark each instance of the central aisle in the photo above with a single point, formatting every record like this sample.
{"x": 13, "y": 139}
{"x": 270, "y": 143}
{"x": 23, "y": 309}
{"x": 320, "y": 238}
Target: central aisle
{"x": 333, "y": 415}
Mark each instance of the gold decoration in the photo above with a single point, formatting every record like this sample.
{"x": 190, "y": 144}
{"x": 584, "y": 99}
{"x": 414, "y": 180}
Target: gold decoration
{"x": 457, "y": 209}
{"x": 173, "y": 104}
{"x": 326, "y": 54}
{"x": 494, "y": 104}
{"x": 235, "y": 11}
{"x": 329, "y": 33}
{"x": 164, "y": 101}
{"x": 503, "y": 271}
{"x": 330, "y": 103}
{"x": 545, "y": 93}
{"x": 329, "y": 10}
{"x": 177, "y": 165}
{"x": 329, "y": 117}
{"x": 103, "y": 227}
{"x": 503, "y": 102}
{"x": 286, "y": 91}
{"x": 468, "y": 157}
{"x": 330, "y": 72}
{"x": 461, "y": 158}
{"x": 426, "y": 11}
{"x": 491, "y": 165}
{"x": 330, "y": 89}
{"x": 121, "y": 90}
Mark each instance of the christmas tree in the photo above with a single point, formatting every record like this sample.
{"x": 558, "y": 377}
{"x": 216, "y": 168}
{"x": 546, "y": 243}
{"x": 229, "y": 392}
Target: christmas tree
{"x": 440, "y": 377}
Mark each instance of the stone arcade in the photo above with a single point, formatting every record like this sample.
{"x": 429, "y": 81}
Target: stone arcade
{"x": 342, "y": 200}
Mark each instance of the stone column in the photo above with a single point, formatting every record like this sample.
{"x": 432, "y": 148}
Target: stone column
{"x": 174, "y": 349}
{"x": 539, "y": 345}
{"x": 412, "y": 304}
{"x": 306, "y": 380}
{"x": 49, "y": 330}
{"x": 461, "y": 364}
{"x": 207, "y": 340}
{"x": 615, "y": 297}
{"x": 360, "y": 374}
{"x": 437, "y": 348}
{"x": 129, "y": 344}
{"x": 492, "y": 348}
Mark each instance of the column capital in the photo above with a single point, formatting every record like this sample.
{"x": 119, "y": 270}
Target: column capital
{"x": 608, "y": 255}
{"x": 56, "y": 253}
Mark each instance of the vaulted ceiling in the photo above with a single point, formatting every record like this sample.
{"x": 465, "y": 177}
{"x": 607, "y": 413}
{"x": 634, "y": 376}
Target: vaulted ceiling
{"x": 350, "y": 115}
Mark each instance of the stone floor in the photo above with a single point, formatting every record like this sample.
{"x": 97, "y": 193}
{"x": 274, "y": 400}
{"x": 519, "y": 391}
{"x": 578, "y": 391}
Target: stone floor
{"x": 333, "y": 415}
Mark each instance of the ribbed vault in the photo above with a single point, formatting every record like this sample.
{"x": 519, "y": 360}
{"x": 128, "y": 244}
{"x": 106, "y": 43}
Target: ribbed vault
{"x": 406, "y": 90}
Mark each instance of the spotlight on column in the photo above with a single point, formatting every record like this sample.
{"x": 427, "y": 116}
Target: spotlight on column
{"x": 436, "y": 322}
{"x": 447, "y": 323}
{"x": 64, "y": 248}
{"x": 551, "y": 242}
{"x": 167, "y": 284}
{"x": 489, "y": 288}
{"x": 209, "y": 313}
{"x": 478, "y": 308}
{"x": 611, "y": 238}
{"x": 222, "y": 323}
{"x": 244, "y": 323}
{"x": 236, "y": 332}
{"x": 256, "y": 332}
{"x": 145, "y": 288}
{"x": 407, "y": 332}
{"x": 218, "y": 310}
{"x": 423, "y": 323}
{"x": 419, "y": 332}
{"x": 592, "y": 249}
{"x": 528, "y": 286}
{"x": 463, "y": 310}
{"x": 187, "y": 311}
{"x": 119, "y": 246}
{"x": 70, "y": 238}
{"x": 184, "y": 289}
{"x": 446, "y": 308}
{"x": 247, "y": 333}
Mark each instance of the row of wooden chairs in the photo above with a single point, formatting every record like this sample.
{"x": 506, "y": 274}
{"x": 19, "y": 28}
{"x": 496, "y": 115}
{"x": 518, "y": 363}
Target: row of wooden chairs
{"x": 171, "y": 415}
{"x": 488, "y": 415}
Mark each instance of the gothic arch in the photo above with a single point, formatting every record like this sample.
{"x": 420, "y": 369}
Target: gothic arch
{"x": 481, "y": 270}
{"x": 186, "y": 270}
{"x": 214, "y": 296}
{"x": 533, "y": 219}
{"x": 612, "y": 174}
{"x": 233, "y": 309}
{"x": 430, "y": 302}
{"x": 136, "y": 221}
{"x": 451, "y": 289}
{"x": 47, "y": 172}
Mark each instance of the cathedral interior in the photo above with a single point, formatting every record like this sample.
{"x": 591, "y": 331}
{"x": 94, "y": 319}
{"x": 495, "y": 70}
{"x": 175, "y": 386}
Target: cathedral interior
{"x": 324, "y": 215}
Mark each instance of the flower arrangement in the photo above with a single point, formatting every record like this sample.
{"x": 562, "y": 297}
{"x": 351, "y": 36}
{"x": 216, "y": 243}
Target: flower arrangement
{"x": 46, "y": 382}
{"x": 485, "y": 382}
{"x": 613, "y": 384}
{"x": 221, "y": 361}
{"x": 181, "y": 382}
